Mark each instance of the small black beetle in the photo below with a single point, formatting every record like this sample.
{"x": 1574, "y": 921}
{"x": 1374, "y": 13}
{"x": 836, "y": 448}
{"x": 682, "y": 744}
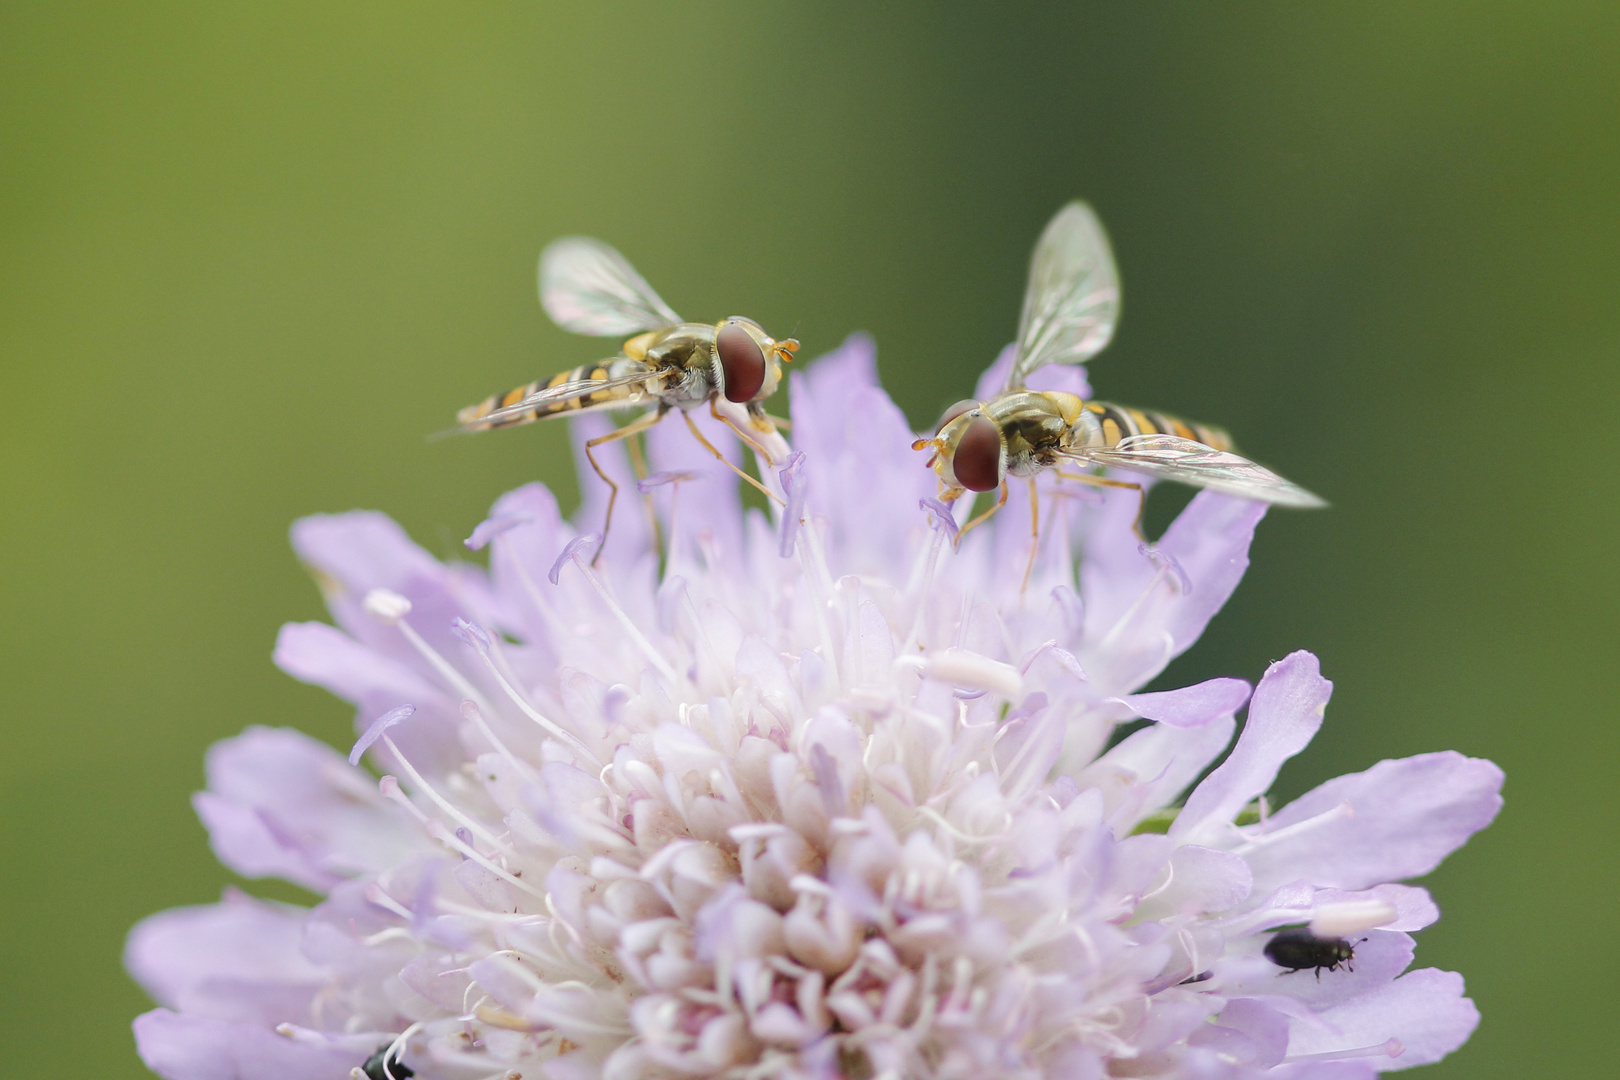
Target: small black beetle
{"x": 381, "y": 1067}
{"x": 1297, "y": 949}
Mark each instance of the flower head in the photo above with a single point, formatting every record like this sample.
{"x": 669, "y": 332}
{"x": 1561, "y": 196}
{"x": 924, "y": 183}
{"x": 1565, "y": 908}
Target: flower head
{"x": 813, "y": 797}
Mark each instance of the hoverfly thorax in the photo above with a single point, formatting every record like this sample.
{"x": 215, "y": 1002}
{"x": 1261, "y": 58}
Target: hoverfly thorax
{"x": 748, "y": 361}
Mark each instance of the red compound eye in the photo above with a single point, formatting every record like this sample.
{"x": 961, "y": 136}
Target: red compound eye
{"x": 977, "y": 460}
{"x": 741, "y": 362}
{"x": 965, "y": 405}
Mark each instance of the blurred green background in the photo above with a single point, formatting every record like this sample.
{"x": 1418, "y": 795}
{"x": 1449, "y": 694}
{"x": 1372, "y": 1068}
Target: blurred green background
{"x": 253, "y": 252}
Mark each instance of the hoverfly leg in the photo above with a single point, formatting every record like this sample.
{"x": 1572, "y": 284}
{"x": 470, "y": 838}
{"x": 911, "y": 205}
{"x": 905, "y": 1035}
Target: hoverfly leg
{"x": 721, "y": 458}
{"x": 1034, "y": 533}
{"x": 1002, "y": 501}
{"x": 638, "y": 463}
{"x": 635, "y": 427}
{"x": 1103, "y": 481}
{"x": 714, "y": 411}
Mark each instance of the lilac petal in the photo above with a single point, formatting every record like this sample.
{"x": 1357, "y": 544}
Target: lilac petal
{"x": 491, "y": 527}
{"x": 1168, "y": 1022}
{"x": 363, "y": 550}
{"x": 358, "y": 552}
{"x": 244, "y": 840}
{"x": 281, "y": 804}
{"x": 1142, "y": 610}
{"x": 1209, "y": 542}
{"x": 556, "y": 800}
{"x": 179, "y": 954}
{"x": 1068, "y": 378}
{"x": 862, "y": 473}
{"x": 1164, "y": 760}
{"x": 1424, "y": 1009}
{"x": 190, "y": 1048}
{"x": 1283, "y": 717}
{"x": 1191, "y": 706}
{"x": 795, "y": 486}
{"x": 1201, "y": 880}
{"x": 1248, "y": 1030}
{"x": 535, "y": 541}
{"x": 518, "y": 557}
{"x": 570, "y": 551}
{"x": 1408, "y": 815}
{"x": 378, "y": 726}
{"x": 326, "y": 656}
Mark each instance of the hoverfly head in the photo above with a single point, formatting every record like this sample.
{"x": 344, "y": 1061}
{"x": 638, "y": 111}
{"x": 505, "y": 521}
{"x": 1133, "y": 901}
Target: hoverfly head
{"x": 749, "y": 360}
{"x": 968, "y": 448}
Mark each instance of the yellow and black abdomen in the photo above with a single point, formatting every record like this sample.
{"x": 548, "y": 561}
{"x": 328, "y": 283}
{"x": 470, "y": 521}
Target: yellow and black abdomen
{"x": 473, "y": 415}
{"x": 1117, "y": 423}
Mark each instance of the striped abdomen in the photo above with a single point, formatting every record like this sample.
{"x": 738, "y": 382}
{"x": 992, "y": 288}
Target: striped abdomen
{"x": 472, "y": 416}
{"x": 1116, "y": 422}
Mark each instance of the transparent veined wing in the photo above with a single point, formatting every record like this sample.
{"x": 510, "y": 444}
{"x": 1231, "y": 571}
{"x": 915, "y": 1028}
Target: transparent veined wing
{"x": 1071, "y": 305}
{"x": 473, "y": 418}
{"x": 1194, "y": 463}
{"x": 589, "y": 288}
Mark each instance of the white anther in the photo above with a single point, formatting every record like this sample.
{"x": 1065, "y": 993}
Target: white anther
{"x": 386, "y": 606}
{"x": 975, "y": 671}
{"x": 1350, "y": 917}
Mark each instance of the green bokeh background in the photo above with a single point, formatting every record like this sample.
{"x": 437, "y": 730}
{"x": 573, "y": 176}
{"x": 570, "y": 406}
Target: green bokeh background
{"x": 253, "y": 252}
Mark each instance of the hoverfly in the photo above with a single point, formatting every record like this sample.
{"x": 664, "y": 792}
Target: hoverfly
{"x": 1071, "y": 307}
{"x": 589, "y": 288}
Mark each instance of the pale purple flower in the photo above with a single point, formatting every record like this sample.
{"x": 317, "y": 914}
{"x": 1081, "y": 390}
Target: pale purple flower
{"x": 711, "y": 811}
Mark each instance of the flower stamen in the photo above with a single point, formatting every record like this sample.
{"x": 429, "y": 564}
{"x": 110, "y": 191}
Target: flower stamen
{"x": 1338, "y": 812}
{"x": 522, "y": 702}
{"x": 1391, "y": 1048}
{"x": 571, "y": 553}
{"x": 390, "y": 608}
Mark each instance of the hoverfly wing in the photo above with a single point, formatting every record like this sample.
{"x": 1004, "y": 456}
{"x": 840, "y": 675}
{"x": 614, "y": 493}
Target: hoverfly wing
{"x": 1190, "y": 462}
{"x": 547, "y": 400}
{"x": 589, "y": 288}
{"x": 1071, "y": 304}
